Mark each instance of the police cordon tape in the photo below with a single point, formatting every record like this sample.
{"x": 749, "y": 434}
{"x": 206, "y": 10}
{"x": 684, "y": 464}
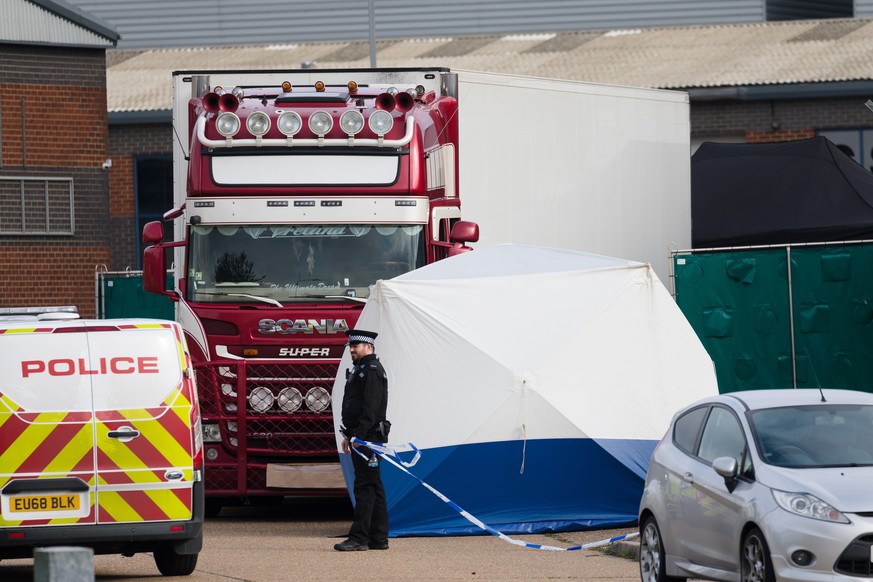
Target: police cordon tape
{"x": 389, "y": 452}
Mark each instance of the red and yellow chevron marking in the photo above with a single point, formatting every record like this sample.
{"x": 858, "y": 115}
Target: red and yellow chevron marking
{"x": 26, "y": 330}
{"x": 45, "y": 445}
{"x": 133, "y": 486}
{"x": 165, "y": 444}
{"x": 148, "y": 500}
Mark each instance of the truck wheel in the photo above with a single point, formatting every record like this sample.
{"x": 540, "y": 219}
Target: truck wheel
{"x": 170, "y": 563}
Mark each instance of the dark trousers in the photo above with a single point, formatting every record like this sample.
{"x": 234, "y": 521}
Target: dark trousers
{"x": 371, "y": 511}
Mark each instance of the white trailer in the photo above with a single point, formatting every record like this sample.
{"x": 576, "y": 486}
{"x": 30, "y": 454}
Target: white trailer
{"x": 597, "y": 168}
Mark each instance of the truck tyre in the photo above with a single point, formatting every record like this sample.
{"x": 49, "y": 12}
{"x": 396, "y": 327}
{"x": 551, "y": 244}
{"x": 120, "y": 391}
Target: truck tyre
{"x": 170, "y": 563}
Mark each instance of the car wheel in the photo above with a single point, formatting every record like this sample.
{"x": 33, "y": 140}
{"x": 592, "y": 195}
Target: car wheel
{"x": 653, "y": 563}
{"x": 170, "y": 563}
{"x": 755, "y": 559}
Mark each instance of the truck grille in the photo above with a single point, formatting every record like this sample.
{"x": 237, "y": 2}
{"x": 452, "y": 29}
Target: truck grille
{"x": 855, "y": 559}
{"x": 274, "y": 409}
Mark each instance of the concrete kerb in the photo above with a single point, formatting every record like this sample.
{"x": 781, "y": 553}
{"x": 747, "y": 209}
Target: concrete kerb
{"x": 629, "y": 549}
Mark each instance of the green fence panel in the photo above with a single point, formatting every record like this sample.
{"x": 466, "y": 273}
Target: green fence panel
{"x": 739, "y": 304}
{"x": 123, "y": 296}
{"x": 833, "y": 314}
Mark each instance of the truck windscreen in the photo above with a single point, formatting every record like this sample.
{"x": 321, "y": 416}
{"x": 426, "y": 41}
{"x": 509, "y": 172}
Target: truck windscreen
{"x": 297, "y": 263}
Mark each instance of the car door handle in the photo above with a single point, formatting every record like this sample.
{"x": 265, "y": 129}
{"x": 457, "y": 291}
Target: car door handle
{"x": 688, "y": 478}
{"x": 123, "y": 433}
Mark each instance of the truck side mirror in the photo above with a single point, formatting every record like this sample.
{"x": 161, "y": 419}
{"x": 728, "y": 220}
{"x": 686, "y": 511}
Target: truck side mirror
{"x": 464, "y": 231}
{"x": 154, "y": 273}
{"x": 152, "y": 232}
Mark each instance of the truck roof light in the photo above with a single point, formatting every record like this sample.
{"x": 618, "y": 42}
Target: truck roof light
{"x": 238, "y": 92}
{"x": 289, "y": 123}
{"x": 353, "y": 86}
{"x": 227, "y": 124}
{"x": 419, "y": 90}
{"x": 320, "y": 123}
{"x": 381, "y": 122}
{"x": 352, "y": 122}
{"x": 286, "y": 86}
{"x": 319, "y": 85}
{"x": 258, "y": 123}
{"x": 392, "y": 90}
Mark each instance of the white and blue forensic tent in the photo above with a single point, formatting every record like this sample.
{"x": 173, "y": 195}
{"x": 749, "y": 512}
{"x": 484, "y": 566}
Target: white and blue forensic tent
{"x": 536, "y": 383}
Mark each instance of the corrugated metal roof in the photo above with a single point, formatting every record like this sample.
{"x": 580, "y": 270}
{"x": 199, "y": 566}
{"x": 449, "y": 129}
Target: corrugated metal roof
{"x": 194, "y": 23}
{"x": 52, "y": 22}
{"x": 679, "y": 57}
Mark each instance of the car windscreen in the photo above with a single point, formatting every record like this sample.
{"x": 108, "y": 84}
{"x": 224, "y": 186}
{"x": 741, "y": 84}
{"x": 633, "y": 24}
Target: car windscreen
{"x": 823, "y": 435}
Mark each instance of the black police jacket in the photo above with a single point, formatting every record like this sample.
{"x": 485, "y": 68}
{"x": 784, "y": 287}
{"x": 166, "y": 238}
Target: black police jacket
{"x": 365, "y": 400}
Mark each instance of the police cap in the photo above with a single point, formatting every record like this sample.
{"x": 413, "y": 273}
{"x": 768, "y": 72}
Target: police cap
{"x": 357, "y": 336}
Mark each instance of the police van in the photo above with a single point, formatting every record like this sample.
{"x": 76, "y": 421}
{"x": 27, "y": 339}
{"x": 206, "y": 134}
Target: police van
{"x": 100, "y": 442}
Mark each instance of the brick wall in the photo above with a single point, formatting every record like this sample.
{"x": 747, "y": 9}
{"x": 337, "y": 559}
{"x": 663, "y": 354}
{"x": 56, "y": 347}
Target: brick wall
{"x": 53, "y": 122}
{"x": 763, "y": 121}
{"x": 39, "y": 275}
{"x": 126, "y": 143}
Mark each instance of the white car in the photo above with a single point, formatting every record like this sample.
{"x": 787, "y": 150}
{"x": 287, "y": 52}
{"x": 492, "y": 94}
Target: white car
{"x": 762, "y": 485}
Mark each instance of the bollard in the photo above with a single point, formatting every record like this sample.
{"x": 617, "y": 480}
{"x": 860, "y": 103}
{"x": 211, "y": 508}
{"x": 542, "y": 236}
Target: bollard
{"x": 63, "y": 564}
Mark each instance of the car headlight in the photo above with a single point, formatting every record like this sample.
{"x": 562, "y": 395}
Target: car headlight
{"x": 806, "y": 505}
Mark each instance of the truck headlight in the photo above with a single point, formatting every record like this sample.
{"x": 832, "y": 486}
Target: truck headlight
{"x": 320, "y": 123}
{"x": 211, "y": 433}
{"x": 227, "y": 124}
{"x": 258, "y": 123}
{"x": 290, "y": 399}
{"x": 352, "y": 122}
{"x": 317, "y": 399}
{"x": 381, "y": 122}
{"x": 261, "y": 399}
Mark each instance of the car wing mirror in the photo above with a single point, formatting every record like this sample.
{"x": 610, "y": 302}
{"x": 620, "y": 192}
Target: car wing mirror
{"x": 727, "y": 467}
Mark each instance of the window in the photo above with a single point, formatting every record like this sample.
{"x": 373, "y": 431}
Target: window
{"x": 855, "y": 143}
{"x": 36, "y": 205}
{"x": 722, "y": 437}
{"x": 687, "y": 428}
{"x": 153, "y": 178}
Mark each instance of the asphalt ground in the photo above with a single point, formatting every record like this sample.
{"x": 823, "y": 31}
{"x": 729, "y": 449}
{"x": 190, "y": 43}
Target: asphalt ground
{"x": 295, "y": 542}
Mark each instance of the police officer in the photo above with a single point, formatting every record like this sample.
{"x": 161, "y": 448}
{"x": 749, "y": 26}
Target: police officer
{"x": 363, "y": 416}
